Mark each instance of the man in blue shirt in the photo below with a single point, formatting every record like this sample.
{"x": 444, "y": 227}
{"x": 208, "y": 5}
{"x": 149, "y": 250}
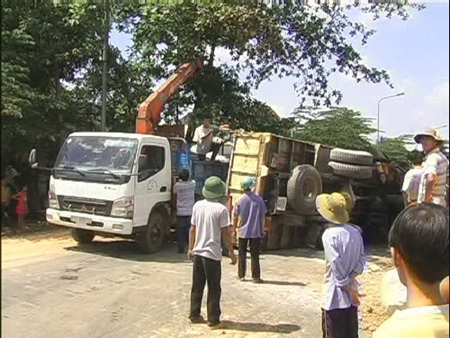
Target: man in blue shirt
{"x": 344, "y": 260}
{"x": 249, "y": 214}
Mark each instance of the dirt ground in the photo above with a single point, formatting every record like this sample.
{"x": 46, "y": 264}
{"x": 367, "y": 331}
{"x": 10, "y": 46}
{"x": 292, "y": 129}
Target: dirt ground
{"x": 53, "y": 288}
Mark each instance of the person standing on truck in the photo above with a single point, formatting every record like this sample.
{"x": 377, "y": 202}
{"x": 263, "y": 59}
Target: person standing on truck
{"x": 203, "y": 137}
{"x": 210, "y": 222}
{"x": 419, "y": 242}
{"x": 411, "y": 182}
{"x": 344, "y": 260}
{"x": 184, "y": 191}
{"x": 248, "y": 221}
{"x": 432, "y": 186}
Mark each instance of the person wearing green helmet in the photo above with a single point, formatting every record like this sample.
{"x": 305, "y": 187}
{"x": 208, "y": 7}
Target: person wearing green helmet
{"x": 210, "y": 223}
{"x": 248, "y": 220}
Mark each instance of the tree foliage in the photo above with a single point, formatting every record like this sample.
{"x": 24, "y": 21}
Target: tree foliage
{"x": 307, "y": 43}
{"x": 51, "y": 63}
{"x": 395, "y": 149}
{"x": 338, "y": 127}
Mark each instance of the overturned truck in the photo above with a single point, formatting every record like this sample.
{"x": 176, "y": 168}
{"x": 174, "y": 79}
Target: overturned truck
{"x": 291, "y": 173}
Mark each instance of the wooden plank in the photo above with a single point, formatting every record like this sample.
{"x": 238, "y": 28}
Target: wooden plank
{"x": 249, "y": 146}
{"x": 247, "y": 164}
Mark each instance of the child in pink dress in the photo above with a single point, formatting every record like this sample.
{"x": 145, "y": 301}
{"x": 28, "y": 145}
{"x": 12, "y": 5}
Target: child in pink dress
{"x": 21, "y": 208}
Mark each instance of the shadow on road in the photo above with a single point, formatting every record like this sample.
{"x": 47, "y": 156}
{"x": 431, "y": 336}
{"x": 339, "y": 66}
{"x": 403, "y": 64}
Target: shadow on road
{"x": 258, "y": 327}
{"x": 284, "y": 283}
{"x": 130, "y": 250}
{"x": 299, "y": 252}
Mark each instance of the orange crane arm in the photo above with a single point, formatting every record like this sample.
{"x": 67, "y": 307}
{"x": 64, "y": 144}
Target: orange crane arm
{"x": 150, "y": 110}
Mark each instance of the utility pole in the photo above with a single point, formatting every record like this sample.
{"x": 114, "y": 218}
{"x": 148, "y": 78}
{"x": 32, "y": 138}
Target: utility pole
{"x": 105, "y": 65}
{"x": 378, "y": 115}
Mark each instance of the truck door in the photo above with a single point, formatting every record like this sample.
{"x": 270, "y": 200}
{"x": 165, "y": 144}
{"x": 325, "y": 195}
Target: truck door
{"x": 153, "y": 182}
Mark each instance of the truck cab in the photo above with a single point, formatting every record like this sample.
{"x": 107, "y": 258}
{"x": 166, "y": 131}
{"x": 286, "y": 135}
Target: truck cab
{"x": 113, "y": 183}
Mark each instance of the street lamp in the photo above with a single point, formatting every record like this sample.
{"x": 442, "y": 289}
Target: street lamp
{"x": 378, "y": 118}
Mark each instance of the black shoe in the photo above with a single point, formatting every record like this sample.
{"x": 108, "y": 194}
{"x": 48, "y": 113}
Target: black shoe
{"x": 258, "y": 281}
{"x": 197, "y": 320}
{"x": 214, "y": 325}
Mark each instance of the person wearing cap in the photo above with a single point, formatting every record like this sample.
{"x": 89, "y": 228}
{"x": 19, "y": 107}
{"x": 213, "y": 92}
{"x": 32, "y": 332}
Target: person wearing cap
{"x": 248, "y": 220}
{"x": 210, "y": 222}
{"x": 344, "y": 260}
{"x": 432, "y": 186}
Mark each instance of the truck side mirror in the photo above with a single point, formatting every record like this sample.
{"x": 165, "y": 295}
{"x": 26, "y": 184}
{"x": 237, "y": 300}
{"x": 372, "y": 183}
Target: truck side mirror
{"x": 32, "y": 158}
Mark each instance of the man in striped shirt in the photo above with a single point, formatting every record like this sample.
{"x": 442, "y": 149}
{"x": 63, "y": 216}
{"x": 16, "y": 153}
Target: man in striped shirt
{"x": 432, "y": 188}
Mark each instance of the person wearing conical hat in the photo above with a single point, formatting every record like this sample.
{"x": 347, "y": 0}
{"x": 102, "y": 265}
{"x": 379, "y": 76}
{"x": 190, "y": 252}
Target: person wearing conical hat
{"x": 344, "y": 260}
{"x": 432, "y": 186}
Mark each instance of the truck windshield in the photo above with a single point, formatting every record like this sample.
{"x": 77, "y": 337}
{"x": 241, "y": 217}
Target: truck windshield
{"x": 87, "y": 157}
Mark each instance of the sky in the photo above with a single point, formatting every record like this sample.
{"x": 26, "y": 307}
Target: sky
{"x": 414, "y": 52}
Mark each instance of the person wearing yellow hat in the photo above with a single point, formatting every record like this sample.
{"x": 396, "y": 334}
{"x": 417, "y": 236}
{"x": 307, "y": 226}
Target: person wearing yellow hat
{"x": 432, "y": 186}
{"x": 344, "y": 259}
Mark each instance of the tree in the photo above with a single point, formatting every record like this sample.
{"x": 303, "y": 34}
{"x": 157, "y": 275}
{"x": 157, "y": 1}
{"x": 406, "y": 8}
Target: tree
{"x": 45, "y": 45}
{"x": 338, "y": 127}
{"x": 300, "y": 41}
{"x": 395, "y": 149}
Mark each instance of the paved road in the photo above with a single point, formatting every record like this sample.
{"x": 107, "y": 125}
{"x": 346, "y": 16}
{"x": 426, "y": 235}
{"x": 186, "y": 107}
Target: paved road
{"x": 52, "y": 288}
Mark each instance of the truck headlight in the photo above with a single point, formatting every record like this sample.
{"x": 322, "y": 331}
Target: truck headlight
{"x": 52, "y": 198}
{"x": 123, "y": 207}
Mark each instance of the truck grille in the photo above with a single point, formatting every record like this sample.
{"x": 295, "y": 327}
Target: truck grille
{"x": 85, "y": 205}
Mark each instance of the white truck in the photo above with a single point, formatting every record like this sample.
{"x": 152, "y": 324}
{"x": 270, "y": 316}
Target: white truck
{"x": 113, "y": 183}
{"x": 118, "y": 183}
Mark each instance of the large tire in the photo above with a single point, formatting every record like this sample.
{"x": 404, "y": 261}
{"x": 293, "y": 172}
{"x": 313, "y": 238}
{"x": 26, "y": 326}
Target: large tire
{"x": 303, "y": 187}
{"x": 351, "y": 156}
{"x": 155, "y": 233}
{"x": 352, "y": 171}
{"x": 83, "y": 236}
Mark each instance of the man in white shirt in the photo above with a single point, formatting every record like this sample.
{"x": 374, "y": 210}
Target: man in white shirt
{"x": 411, "y": 182}
{"x": 210, "y": 221}
{"x": 184, "y": 192}
{"x": 432, "y": 187}
{"x": 203, "y": 136}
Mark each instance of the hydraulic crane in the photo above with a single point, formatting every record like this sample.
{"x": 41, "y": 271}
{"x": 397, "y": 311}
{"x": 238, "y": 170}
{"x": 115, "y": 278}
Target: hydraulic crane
{"x": 150, "y": 110}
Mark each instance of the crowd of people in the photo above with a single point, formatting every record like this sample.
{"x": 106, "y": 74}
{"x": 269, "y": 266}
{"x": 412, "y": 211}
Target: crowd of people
{"x": 418, "y": 241}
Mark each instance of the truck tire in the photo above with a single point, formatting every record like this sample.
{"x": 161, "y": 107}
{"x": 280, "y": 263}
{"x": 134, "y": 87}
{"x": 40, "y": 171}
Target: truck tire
{"x": 351, "y": 156}
{"x": 155, "y": 233}
{"x": 83, "y": 236}
{"x": 304, "y": 185}
{"x": 352, "y": 171}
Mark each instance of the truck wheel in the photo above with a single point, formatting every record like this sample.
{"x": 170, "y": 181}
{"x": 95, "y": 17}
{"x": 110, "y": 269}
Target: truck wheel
{"x": 351, "y": 156}
{"x": 83, "y": 236}
{"x": 154, "y": 234}
{"x": 352, "y": 171}
{"x": 303, "y": 187}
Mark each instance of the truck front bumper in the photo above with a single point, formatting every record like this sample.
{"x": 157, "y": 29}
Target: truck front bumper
{"x": 112, "y": 225}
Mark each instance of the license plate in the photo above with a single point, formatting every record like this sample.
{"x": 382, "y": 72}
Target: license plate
{"x": 281, "y": 204}
{"x": 80, "y": 220}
